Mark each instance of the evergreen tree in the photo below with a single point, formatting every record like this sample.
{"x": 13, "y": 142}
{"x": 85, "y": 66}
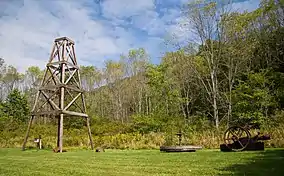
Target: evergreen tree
{"x": 16, "y": 106}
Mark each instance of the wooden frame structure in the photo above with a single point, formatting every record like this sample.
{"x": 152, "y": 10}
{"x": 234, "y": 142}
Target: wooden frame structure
{"x": 60, "y": 93}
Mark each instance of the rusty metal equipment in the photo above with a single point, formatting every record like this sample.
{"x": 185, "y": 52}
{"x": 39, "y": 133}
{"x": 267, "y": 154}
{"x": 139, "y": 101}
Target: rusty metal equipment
{"x": 60, "y": 93}
{"x": 239, "y": 138}
{"x": 179, "y": 147}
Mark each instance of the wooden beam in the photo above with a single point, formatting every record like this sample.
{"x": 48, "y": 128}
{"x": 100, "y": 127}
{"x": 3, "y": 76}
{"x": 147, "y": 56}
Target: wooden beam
{"x": 58, "y": 112}
{"x": 77, "y": 83}
{"x": 74, "y": 102}
{"x": 58, "y": 49}
{"x": 49, "y": 88}
{"x": 89, "y": 133}
{"x": 72, "y": 113}
{"x": 62, "y": 62}
{"x": 84, "y": 103}
{"x": 46, "y": 101}
{"x": 51, "y": 57}
{"x": 74, "y": 99}
{"x": 44, "y": 77}
{"x": 51, "y": 97}
{"x": 52, "y": 75}
{"x": 38, "y": 93}
{"x": 79, "y": 77}
{"x": 36, "y": 100}
{"x": 50, "y": 101}
{"x": 27, "y": 133}
{"x": 70, "y": 54}
{"x": 51, "y": 66}
{"x": 88, "y": 121}
{"x": 71, "y": 75}
{"x": 55, "y": 87}
{"x": 55, "y": 53}
{"x": 73, "y": 51}
{"x": 48, "y": 80}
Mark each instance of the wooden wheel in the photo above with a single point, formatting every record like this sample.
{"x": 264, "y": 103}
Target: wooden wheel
{"x": 237, "y": 138}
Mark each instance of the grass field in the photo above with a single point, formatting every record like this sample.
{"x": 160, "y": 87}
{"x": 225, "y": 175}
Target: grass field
{"x": 140, "y": 162}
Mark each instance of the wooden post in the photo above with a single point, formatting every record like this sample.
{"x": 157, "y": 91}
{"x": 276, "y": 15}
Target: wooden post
{"x": 60, "y": 137}
{"x": 90, "y": 134}
{"x": 40, "y": 144}
{"x": 62, "y": 100}
{"x": 88, "y": 121}
{"x": 58, "y": 131}
{"x": 85, "y": 111}
{"x": 27, "y": 133}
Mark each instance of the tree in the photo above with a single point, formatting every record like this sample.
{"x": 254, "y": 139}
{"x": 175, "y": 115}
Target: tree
{"x": 11, "y": 78}
{"x": 32, "y": 80}
{"x": 33, "y": 77}
{"x": 113, "y": 74}
{"x": 16, "y": 106}
{"x": 91, "y": 77}
{"x": 235, "y": 55}
{"x": 2, "y": 68}
{"x": 188, "y": 93}
{"x": 204, "y": 18}
{"x": 134, "y": 65}
{"x": 252, "y": 97}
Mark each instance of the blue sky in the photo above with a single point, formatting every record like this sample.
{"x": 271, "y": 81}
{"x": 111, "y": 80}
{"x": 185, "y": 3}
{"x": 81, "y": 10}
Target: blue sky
{"x": 101, "y": 29}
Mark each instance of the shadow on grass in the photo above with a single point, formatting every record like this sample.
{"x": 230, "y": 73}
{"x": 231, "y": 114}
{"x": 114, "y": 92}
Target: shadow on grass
{"x": 270, "y": 162}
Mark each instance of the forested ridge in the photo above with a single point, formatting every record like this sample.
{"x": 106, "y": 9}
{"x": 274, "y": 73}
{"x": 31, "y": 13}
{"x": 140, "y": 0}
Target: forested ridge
{"x": 230, "y": 71}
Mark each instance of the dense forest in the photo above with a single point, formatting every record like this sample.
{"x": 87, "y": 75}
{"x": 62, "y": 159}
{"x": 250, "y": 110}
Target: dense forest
{"x": 230, "y": 71}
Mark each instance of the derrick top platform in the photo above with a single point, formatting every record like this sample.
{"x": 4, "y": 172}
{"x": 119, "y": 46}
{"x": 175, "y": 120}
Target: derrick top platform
{"x": 64, "y": 38}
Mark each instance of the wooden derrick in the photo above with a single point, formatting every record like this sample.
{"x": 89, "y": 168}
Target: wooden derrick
{"x": 60, "y": 91}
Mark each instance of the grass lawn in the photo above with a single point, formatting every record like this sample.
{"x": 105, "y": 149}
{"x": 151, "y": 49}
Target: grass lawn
{"x": 140, "y": 162}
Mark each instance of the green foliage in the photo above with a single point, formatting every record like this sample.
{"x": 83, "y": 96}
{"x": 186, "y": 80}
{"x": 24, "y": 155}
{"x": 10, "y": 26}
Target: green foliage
{"x": 16, "y": 106}
{"x": 145, "y": 124}
{"x": 34, "y": 74}
{"x": 253, "y": 99}
{"x": 74, "y": 122}
{"x": 3, "y": 118}
{"x": 164, "y": 89}
{"x": 103, "y": 126}
{"x": 158, "y": 122}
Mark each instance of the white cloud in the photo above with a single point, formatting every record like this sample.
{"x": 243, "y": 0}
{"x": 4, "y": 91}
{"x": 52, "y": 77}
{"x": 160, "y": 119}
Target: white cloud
{"x": 154, "y": 23}
{"x": 126, "y": 8}
{"x": 29, "y": 29}
{"x": 142, "y": 14}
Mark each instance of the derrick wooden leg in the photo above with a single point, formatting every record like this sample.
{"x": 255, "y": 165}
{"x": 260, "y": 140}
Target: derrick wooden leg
{"x": 27, "y": 133}
{"x": 60, "y": 134}
{"x": 58, "y": 131}
{"x": 89, "y": 132}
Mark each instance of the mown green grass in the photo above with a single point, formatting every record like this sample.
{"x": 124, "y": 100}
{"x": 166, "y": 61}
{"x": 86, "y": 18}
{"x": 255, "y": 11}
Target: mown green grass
{"x": 140, "y": 162}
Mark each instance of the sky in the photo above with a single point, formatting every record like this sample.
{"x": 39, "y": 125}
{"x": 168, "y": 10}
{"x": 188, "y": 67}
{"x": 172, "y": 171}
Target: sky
{"x": 101, "y": 29}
